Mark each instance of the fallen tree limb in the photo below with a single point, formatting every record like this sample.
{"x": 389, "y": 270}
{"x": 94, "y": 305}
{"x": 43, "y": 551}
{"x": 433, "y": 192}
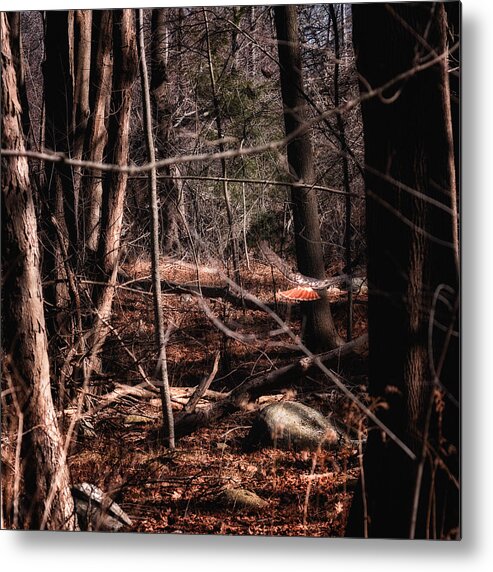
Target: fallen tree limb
{"x": 202, "y": 387}
{"x": 248, "y": 391}
{"x": 215, "y": 292}
{"x": 227, "y": 403}
{"x": 121, "y": 391}
{"x": 184, "y": 393}
{"x": 252, "y": 388}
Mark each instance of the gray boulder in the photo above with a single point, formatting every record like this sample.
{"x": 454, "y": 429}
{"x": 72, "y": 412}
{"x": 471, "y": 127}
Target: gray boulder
{"x": 292, "y": 425}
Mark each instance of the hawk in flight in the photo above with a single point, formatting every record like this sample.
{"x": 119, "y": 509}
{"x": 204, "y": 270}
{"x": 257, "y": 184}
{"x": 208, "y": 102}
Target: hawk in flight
{"x": 306, "y": 289}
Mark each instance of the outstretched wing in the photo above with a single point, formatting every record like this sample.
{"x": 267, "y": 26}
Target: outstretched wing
{"x": 294, "y": 277}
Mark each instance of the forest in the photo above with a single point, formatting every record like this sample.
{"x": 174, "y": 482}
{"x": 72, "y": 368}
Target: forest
{"x": 230, "y": 270}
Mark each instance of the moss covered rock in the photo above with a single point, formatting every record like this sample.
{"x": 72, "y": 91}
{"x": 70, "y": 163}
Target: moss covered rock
{"x": 292, "y": 425}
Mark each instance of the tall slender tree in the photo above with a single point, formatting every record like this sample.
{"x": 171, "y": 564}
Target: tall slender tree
{"x": 115, "y": 183}
{"x": 82, "y": 71}
{"x": 341, "y": 128}
{"x": 58, "y": 200}
{"x": 97, "y": 132}
{"x": 233, "y": 240}
{"x": 160, "y": 334}
{"x": 320, "y": 331}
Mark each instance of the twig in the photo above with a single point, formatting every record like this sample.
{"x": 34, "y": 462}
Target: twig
{"x": 18, "y": 447}
{"x": 364, "y": 499}
{"x": 202, "y": 387}
{"x": 309, "y": 487}
{"x": 140, "y": 369}
{"x": 263, "y": 182}
{"x": 436, "y": 381}
{"x": 273, "y": 145}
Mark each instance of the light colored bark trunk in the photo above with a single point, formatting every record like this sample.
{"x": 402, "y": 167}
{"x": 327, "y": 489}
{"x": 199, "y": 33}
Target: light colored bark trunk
{"x": 14, "y": 19}
{"x": 160, "y": 334}
{"x": 114, "y": 184}
{"x": 46, "y": 483}
{"x": 101, "y": 85}
{"x": 82, "y": 69}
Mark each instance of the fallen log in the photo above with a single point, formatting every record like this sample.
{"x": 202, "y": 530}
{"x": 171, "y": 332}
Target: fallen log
{"x": 250, "y": 390}
{"x": 220, "y": 292}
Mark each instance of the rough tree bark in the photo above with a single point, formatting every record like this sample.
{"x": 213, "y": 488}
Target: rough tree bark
{"x": 320, "y": 332}
{"x": 114, "y": 184}
{"x": 99, "y": 98}
{"x": 45, "y": 471}
{"x": 412, "y": 274}
{"x": 14, "y": 19}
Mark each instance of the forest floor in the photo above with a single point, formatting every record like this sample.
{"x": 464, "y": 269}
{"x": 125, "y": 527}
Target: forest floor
{"x": 180, "y": 491}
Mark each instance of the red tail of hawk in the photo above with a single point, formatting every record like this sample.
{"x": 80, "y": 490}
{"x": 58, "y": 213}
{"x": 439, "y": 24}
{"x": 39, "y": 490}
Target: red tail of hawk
{"x": 307, "y": 288}
{"x": 300, "y": 294}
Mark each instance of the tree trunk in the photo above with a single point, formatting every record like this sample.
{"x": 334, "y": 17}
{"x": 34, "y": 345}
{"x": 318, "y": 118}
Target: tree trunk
{"x": 114, "y": 184}
{"x": 412, "y": 274}
{"x": 233, "y": 241}
{"x": 160, "y": 334}
{"x": 14, "y": 19}
{"x": 99, "y": 96}
{"x": 170, "y": 189}
{"x": 320, "y": 332}
{"x": 82, "y": 70}
{"x": 46, "y": 482}
{"x": 345, "y": 167}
